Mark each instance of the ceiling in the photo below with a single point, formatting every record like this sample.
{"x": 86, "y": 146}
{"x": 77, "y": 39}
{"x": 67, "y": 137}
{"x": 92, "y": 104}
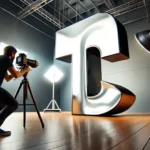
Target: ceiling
{"x": 48, "y": 16}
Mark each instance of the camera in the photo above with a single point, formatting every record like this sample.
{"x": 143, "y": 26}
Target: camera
{"x": 23, "y": 62}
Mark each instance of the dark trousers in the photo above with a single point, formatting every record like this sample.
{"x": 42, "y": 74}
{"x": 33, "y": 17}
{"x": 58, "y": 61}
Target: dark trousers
{"x": 8, "y": 105}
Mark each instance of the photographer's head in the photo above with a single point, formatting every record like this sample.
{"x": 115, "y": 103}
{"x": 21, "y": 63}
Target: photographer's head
{"x": 10, "y": 51}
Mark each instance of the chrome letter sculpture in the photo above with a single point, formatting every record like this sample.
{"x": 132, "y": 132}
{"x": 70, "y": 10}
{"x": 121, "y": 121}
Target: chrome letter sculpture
{"x": 99, "y": 36}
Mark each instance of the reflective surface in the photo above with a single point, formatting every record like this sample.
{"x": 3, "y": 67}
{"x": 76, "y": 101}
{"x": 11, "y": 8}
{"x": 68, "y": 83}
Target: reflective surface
{"x": 143, "y": 38}
{"x": 70, "y": 132}
{"x": 106, "y": 38}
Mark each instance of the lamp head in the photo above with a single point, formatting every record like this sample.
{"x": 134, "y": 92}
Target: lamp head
{"x": 143, "y": 38}
{"x": 53, "y": 74}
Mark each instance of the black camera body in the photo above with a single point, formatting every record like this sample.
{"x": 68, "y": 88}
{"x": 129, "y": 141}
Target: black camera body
{"x": 23, "y": 62}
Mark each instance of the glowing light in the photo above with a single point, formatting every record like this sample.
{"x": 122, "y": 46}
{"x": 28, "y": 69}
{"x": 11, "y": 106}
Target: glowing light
{"x": 2, "y": 46}
{"x": 53, "y": 74}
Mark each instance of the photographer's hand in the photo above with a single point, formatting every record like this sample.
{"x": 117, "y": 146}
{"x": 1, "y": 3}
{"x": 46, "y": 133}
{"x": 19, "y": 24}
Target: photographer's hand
{"x": 17, "y": 74}
{"x": 27, "y": 69}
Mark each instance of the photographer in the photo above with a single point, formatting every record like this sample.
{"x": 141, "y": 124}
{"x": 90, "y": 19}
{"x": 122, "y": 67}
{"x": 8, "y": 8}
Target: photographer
{"x": 8, "y": 104}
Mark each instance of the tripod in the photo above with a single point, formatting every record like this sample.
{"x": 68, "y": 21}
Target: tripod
{"x": 26, "y": 87}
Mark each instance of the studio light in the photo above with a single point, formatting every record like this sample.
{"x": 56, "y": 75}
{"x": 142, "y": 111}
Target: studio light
{"x": 53, "y": 75}
{"x": 143, "y": 38}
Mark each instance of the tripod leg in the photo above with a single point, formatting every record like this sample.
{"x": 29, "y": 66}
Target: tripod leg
{"x": 24, "y": 103}
{"x": 24, "y": 115}
{"x": 18, "y": 90}
{"x": 36, "y": 106}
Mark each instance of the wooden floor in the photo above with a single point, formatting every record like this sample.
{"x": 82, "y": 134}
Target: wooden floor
{"x": 66, "y": 132}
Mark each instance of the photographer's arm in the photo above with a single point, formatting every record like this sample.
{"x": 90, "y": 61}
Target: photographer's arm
{"x": 17, "y": 74}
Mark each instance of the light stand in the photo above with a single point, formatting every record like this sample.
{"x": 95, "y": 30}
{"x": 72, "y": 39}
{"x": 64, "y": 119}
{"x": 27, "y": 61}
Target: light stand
{"x": 52, "y": 75}
{"x": 53, "y": 102}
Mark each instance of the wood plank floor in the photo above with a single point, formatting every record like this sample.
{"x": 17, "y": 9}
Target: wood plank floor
{"x": 128, "y": 131}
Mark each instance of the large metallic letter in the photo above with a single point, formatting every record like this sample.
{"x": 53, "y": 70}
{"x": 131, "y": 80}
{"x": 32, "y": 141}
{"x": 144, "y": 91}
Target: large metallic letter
{"x": 99, "y": 36}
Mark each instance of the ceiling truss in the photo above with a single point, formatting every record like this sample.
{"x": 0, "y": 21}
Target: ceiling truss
{"x": 62, "y": 13}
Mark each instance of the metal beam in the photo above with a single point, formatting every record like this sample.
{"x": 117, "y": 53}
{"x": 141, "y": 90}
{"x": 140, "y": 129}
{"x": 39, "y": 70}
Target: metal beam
{"x": 41, "y": 9}
{"x": 46, "y": 15}
{"x": 84, "y": 7}
{"x": 28, "y": 24}
{"x": 98, "y": 2}
{"x": 32, "y": 15}
{"x": 110, "y": 4}
{"x": 86, "y": 3}
{"x": 33, "y": 7}
{"x": 95, "y": 6}
{"x": 61, "y": 14}
{"x": 125, "y": 8}
{"x": 73, "y": 9}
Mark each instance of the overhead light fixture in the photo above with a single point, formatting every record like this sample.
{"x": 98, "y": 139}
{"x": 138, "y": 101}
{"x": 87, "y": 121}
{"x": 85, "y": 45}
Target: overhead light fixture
{"x": 143, "y": 38}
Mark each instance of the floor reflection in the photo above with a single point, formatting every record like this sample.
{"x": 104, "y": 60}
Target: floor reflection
{"x": 100, "y": 133}
{"x": 72, "y": 132}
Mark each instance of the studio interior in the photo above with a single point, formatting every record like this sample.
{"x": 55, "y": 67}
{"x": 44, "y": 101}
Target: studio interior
{"x": 88, "y": 87}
